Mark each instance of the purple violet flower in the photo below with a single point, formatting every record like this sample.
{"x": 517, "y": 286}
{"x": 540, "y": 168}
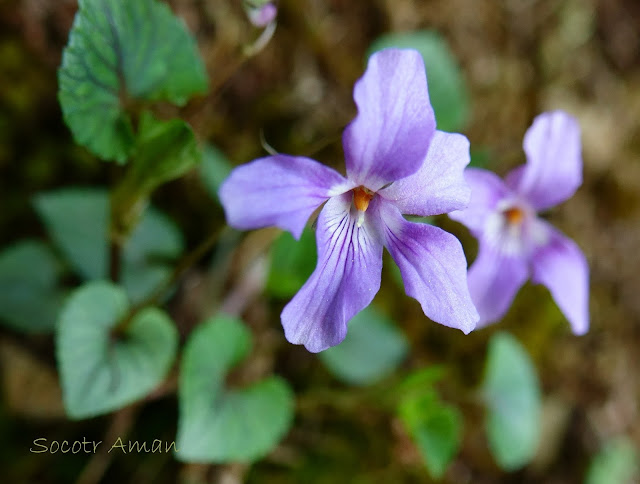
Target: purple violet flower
{"x": 261, "y": 16}
{"x": 514, "y": 244}
{"x": 396, "y": 163}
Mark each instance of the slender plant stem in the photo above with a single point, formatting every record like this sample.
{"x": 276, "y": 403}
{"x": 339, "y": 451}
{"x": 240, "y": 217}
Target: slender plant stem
{"x": 119, "y": 427}
{"x": 115, "y": 260}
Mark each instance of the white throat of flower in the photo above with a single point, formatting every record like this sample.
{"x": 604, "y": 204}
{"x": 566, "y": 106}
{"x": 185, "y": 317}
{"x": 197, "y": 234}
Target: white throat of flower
{"x": 514, "y": 229}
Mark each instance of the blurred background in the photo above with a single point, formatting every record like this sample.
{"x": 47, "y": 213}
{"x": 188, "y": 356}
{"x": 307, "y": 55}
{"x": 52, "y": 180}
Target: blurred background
{"x": 516, "y": 58}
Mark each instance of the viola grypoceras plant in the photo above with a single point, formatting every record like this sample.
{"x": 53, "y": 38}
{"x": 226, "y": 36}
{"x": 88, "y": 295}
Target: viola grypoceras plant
{"x": 514, "y": 243}
{"x": 397, "y": 163}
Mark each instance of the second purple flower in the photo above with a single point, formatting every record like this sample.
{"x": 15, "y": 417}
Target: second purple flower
{"x": 514, "y": 243}
{"x": 397, "y": 163}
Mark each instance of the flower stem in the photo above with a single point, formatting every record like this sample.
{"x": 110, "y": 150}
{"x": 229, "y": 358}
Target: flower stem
{"x": 120, "y": 425}
{"x": 115, "y": 260}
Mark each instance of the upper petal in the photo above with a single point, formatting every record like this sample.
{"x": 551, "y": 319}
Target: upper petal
{"x": 439, "y": 185}
{"x": 494, "y": 280}
{"x": 344, "y": 282}
{"x": 278, "y": 190}
{"x": 389, "y": 137}
{"x": 433, "y": 268}
{"x": 553, "y": 171}
{"x": 562, "y": 267}
{"x": 487, "y": 189}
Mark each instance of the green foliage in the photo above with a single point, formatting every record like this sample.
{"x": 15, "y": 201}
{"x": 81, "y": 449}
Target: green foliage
{"x": 165, "y": 150}
{"x": 101, "y": 371}
{"x": 149, "y": 253}
{"x": 292, "y": 262}
{"x": 447, "y": 90}
{"x": 617, "y": 462}
{"x": 121, "y": 50}
{"x": 29, "y": 297}
{"x": 434, "y": 426}
{"x": 218, "y": 424}
{"x": 214, "y": 169}
{"x": 417, "y": 382}
{"x": 512, "y": 394}
{"x": 77, "y": 220}
{"x": 373, "y": 348}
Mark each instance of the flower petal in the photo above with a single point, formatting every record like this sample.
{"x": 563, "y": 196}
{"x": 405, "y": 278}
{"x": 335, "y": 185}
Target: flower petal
{"x": 344, "y": 282}
{"x": 553, "y": 171}
{"x": 487, "y": 189}
{"x": 263, "y": 15}
{"x": 433, "y": 268}
{"x": 494, "y": 280}
{"x": 562, "y": 267}
{"x": 278, "y": 190}
{"x": 390, "y": 136}
{"x": 439, "y": 185}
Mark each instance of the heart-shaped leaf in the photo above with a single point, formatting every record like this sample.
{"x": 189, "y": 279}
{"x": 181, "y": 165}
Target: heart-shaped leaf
{"x": 373, "y": 348}
{"x": 100, "y": 372}
{"x": 512, "y": 394}
{"x": 77, "y": 220}
{"x": 218, "y": 424}
{"x": 29, "y": 298}
{"x": 118, "y": 50}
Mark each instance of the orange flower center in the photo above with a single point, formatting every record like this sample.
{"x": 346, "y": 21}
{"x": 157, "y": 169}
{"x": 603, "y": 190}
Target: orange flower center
{"x": 361, "y": 198}
{"x": 514, "y": 215}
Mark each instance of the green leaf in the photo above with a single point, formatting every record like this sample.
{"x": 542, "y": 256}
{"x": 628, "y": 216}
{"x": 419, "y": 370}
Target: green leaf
{"x": 373, "y": 348}
{"x": 149, "y": 254}
{"x": 617, "y": 462}
{"x": 165, "y": 151}
{"x": 292, "y": 262}
{"x": 417, "y": 382}
{"x": 435, "y": 427}
{"x": 29, "y": 298}
{"x": 447, "y": 89}
{"x": 512, "y": 394}
{"x": 155, "y": 238}
{"x": 119, "y": 49}
{"x": 214, "y": 169}
{"x": 99, "y": 372}
{"x": 77, "y": 220}
{"x": 218, "y": 424}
